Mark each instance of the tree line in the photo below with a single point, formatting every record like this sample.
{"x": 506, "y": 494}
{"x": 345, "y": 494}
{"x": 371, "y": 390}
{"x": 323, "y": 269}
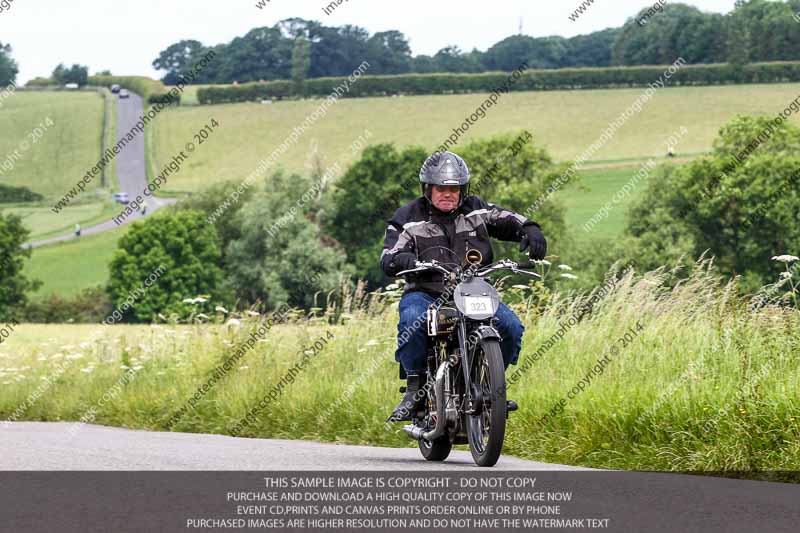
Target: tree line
{"x": 755, "y": 31}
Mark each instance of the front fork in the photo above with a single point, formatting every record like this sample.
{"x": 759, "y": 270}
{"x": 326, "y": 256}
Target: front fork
{"x": 466, "y": 366}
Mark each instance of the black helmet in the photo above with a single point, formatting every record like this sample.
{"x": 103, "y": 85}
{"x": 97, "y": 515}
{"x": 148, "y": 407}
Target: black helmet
{"x": 444, "y": 168}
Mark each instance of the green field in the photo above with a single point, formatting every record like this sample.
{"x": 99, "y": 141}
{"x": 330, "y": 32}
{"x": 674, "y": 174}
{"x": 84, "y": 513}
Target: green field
{"x": 565, "y": 122}
{"x": 722, "y": 394}
{"x": 65, "y": 151}
{"x": 67, "y": 268}
{"x": 42, "y": 222}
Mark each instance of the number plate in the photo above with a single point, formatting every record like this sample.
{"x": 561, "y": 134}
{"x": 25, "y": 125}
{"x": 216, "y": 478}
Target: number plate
{"x": 478, "y": 305}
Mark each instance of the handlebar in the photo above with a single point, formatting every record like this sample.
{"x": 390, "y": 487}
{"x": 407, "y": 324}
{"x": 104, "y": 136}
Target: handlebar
{"x": 503, "y": 264}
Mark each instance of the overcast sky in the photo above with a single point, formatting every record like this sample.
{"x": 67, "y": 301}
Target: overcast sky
{"x": 125, "y": 36}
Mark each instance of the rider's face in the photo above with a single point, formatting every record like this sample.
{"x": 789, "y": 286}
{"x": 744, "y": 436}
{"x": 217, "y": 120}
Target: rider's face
{"x": 445, "y": 197}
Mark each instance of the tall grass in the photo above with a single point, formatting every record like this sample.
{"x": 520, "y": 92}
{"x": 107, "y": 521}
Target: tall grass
{"x": 688, "y": 392}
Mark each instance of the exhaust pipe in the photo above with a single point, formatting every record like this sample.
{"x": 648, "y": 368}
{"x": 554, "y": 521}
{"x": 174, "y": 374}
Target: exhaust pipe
{"x": 418, "y": 433}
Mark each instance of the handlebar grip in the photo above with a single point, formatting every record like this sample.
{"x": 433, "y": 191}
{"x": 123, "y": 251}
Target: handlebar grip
{"x": 526, "y": 265}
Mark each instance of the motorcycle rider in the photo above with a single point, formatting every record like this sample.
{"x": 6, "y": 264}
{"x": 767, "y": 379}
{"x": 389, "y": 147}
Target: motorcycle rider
{"x": 443, "y": 224}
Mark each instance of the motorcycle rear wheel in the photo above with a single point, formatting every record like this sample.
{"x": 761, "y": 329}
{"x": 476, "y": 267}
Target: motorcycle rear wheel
{"x": 438, "y": 450}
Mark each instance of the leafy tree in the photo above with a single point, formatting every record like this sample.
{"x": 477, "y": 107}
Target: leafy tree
{"x": 209, "y": 201}
{"x": 75, "y": 74}
{"x": 263, "y": 53}
{"x": 506, "y": 170}
{"x": 8, "y": 67}
{"x": 13, "y": 283}
{"x": 742, "y": 213}
{"x": 423, "y": 64}
{"x": 592, "y": 50}
{"x": 178, "y": 59}
{"x": 182, "y": 247}
{"x": 365, "y": 197}
{"x": 452, "y": 59}
{"x": 281, "y": 255}
{"x": 678, "y": 31}
{"x": 337, "y": 51}
{"x": 301, "y": 60}
{"x": 388, "y": 52}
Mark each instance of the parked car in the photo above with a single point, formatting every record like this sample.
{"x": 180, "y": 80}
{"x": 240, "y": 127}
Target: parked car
{"x": 72, "y": 86}
{"x": 123, "y": 93}
{"x": 121, "y": 197}
{"x": 115, "y": 88}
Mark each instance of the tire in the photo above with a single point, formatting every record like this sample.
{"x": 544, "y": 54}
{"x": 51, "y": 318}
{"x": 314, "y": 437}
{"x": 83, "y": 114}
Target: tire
{"x": 486, "y": 430}
{"x": 437, "y": 450}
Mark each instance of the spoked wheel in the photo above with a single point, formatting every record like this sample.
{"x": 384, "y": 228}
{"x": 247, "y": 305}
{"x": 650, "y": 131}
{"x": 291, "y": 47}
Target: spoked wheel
{"x": 439, "y": 449}
{"x": 486, "y": 428}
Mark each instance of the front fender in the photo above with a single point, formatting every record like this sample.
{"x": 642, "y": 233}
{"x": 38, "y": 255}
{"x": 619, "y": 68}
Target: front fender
{"x": 487, "y": 332}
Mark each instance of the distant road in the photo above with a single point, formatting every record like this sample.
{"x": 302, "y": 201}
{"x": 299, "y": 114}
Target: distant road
{"x": 130, "y": 171}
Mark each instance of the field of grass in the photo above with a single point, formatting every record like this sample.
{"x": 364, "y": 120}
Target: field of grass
{"x": 43, "y": 223}
{"x": 65, "y": 150}
{"x": 67, "y": 268}
{"x": 699, "y": 383}
{"x": 565, "y": 122}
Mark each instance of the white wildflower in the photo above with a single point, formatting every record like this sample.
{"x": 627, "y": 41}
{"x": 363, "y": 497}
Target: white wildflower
{"x": 565, "y": 267}
{"x": 244, "y": 367}
{"x": 371, "y": 342}
{"x": 786, "y": 258}
{"x": 87, "y": 370}
{"x": 392, "y": 287}
{"x": 569, "y": 276}
{"x": 221, "y": 309}
{"x": 785, "y": 275}
{"x": 203, "y": 316}
{"x": 233, "y": 322}
{"x": 136, "y": 368}
{"x": 544, "y": 262}
{"x": 252, "y": 313}
{"x": 519, "y": 286}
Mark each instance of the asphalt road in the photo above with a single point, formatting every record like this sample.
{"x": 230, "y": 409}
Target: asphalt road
{"x": 157, "y": 481}
{"x": 49, "y": 446}
{"x": 130, "y": 171}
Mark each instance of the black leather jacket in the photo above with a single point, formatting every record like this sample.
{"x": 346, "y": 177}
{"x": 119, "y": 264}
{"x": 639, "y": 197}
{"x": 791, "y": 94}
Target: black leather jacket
{"x": 420, "y": 228}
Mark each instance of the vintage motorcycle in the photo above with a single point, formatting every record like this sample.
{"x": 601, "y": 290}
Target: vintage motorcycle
{"x": 465, "y": 394}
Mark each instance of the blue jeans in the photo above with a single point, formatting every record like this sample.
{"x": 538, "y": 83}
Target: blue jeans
{"x": 412, "y": 345}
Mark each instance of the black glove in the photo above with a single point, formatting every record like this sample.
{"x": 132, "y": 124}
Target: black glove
{"x": 403, "y": 261}
{"x": 533, "y": 238}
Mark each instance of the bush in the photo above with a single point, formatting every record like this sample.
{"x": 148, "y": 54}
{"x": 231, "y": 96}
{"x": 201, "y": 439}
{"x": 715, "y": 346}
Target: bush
{"x": 530, "y": 80}
{"x": 10, "y": 194}
{"x": 281, "y": 256}
{"x": 91, "y": 305}
{"x": 13, "y": 283}
{"x": 161, "y": 262}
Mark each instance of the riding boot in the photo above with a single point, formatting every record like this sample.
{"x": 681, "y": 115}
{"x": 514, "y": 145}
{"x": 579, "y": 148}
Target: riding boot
{"x": 413, "y": 399}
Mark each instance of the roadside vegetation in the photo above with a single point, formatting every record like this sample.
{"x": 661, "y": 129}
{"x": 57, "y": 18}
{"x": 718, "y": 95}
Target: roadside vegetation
{"x": 709, "y": 380}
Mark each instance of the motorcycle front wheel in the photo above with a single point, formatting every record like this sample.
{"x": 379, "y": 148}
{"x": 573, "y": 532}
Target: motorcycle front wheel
{"x": 486, "y": 427}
